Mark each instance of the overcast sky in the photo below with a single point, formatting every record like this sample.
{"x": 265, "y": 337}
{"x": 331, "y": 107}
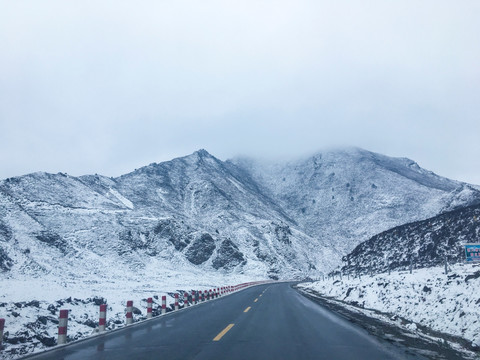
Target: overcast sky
{"x": 108, "y": 86}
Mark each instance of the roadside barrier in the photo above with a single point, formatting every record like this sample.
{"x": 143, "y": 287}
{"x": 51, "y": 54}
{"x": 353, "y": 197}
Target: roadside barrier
{"x": 62, "y": 327}
{"x": 164, "y": 304}
{"x": 102, "y": 321}
{"x": 176, "y": 301}
{"x": 129, "y": 312}
{"x": 185, "y": 300}
{"x": 193, "y": 298}
{"x": 149, "y": 307}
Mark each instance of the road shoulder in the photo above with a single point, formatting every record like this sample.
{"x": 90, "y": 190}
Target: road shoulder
{"x": 393, "y": 329}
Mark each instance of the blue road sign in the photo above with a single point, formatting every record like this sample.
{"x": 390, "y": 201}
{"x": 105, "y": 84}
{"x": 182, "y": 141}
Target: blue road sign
{"x": 472, "y": 252}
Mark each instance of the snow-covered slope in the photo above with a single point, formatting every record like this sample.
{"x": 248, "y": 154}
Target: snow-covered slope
{"x": 344, "y": 197}
{"x": 194, "y": 213}
{"x": 425, "y": 243}
{"x": 428, "y": 297}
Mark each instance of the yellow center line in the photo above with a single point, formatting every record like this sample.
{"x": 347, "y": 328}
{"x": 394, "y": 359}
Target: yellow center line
{"x": 255, "y": 300}
{"x": 246, "y": 310}
{"x": 223, "y": 332}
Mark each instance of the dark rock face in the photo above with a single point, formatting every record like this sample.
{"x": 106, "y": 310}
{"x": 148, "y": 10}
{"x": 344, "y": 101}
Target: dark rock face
{"x": 282, "y": 233}
{"x": 228, "y": 256}
{"x": 5, "y": 262}
{"x": 173, "y": 233}
{"x": 425, "y": 242}
{"x": 53, "y": 240}
{"x": 5, "y": 232}
{"x": 201, "y": 249}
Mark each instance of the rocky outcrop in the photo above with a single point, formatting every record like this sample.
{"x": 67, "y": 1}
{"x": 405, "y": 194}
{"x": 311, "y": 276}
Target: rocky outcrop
{"x": 201, "y": 249}
{"x": 228, "y": 256}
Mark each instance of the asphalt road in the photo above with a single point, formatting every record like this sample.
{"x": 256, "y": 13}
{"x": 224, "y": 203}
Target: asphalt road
{"x": 270, "y": 321}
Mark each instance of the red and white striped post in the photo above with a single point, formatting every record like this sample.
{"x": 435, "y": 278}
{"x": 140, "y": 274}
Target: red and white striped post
{"x": 149, "y": 308}
{"x": 2, "y": 326}
{"x": 62, "y": 327}
{"x": 185, "y": 300}
{"x": 193, "y": 298}
{"x": 164, "y": 304}
{"x": 102, "y": 321}
{"x": 129, "y": 312}
{"x": 200, "y": 296}
{"x": 176, "y": 301}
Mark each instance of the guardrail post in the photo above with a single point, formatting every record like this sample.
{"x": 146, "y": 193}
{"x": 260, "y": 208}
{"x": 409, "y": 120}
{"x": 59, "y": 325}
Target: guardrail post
{"x": 164, "y": 304}
{"x": 176, "y": 301}
{"x": 185, "y": 300}
{"x": 193, "y": 298}
{"x": 2, "y": 326}
{"x": 149, "y": 308}
{"x": 102, "y": 321}
{"x": 62, "y": 327}
{"x": 129, "y": 315}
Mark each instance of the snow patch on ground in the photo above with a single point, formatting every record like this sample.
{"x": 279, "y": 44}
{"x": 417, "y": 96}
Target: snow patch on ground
{"x": 123, "y": 199}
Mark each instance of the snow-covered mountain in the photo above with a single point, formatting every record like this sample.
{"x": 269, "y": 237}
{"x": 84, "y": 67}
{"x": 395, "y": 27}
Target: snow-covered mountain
{"x": 346, "y": 196}
{"x": 199, "y": 214}
{"x": 426, "y": 243}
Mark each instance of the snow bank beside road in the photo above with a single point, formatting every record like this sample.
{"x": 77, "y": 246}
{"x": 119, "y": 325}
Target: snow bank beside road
{"x": 446, "y": 303}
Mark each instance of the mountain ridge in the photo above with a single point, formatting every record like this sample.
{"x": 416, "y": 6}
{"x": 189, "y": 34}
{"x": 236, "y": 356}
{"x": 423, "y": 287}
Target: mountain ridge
{"x": 281, "y": 220}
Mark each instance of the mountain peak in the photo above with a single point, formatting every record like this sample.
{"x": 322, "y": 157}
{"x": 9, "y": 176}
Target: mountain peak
{"x": 202, "y": 153}
{"x": 200, "y": 156}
